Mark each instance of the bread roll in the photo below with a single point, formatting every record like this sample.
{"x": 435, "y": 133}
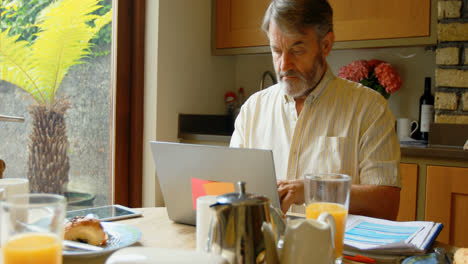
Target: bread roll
{"x": 87, "y": 230}
{"x": 461, "y": 256}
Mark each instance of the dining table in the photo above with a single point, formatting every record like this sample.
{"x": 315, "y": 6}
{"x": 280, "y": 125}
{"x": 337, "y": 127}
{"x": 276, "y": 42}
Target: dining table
{"x": 158, "y": 231}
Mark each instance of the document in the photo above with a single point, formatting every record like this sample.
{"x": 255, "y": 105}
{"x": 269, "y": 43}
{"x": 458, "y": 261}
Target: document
{"x": 378, "y": 236}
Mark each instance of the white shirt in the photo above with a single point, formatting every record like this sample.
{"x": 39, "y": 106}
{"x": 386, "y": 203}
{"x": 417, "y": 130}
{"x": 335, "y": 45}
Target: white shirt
{"x": 343, "y": 127}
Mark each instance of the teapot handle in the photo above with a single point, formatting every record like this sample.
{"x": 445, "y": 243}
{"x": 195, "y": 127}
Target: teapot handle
{"x": 328, "y": 218}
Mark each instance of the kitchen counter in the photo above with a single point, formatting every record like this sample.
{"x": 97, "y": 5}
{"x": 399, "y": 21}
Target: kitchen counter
{"x": 205, "y": 137}
{"x": 217, "y": 130}
{"x": 422, "y": 151}
{"x": 192, "y": 126}
{"x": 434, "y": 152}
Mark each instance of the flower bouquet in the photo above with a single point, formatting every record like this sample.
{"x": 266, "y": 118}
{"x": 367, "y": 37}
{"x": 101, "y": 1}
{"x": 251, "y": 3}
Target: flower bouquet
{"x": 376, "y": 74}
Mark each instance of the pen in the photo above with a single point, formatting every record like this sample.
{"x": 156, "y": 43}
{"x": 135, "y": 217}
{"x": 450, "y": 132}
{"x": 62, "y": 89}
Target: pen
{"x": 360, "y": 258}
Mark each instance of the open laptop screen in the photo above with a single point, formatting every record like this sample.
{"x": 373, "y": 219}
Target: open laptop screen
{"x": 177, "y": 163}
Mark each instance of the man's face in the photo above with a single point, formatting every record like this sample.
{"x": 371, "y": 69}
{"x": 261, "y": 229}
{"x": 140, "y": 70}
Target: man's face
{"x": 298, "y": 59}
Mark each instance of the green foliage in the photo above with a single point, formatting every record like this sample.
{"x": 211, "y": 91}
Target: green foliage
{"x": 62, "y": 40}
{"x": 19, "y": 17}
{"x": 104, "y": 36}
{"x": 373, "y": 82}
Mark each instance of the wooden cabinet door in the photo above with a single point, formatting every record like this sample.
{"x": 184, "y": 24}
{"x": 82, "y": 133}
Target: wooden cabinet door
{"x": 408, "y": 193}
{"x": 380, "y": 19}
{"x": 239, "y": 22}
{"x": 447, "y": 202}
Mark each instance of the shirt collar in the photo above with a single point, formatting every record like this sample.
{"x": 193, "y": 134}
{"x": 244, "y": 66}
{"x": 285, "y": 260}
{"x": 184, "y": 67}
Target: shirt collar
{"x": 318, "y": 90}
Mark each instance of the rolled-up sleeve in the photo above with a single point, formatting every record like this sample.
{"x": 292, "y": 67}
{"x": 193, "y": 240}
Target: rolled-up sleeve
{"x": 379, "y": 149}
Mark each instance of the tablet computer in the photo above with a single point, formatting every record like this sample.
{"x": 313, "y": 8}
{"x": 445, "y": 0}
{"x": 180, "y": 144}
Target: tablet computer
{"x": 106, "y": 213}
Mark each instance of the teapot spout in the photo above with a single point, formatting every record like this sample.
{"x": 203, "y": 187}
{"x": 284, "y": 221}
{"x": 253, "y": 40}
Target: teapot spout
{"x": 270, "y": 244}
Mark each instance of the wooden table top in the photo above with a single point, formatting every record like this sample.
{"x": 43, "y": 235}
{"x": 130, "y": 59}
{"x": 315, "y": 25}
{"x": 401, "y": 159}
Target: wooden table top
{"x": 157, "y": 231}
{"x": 161, "y": 232}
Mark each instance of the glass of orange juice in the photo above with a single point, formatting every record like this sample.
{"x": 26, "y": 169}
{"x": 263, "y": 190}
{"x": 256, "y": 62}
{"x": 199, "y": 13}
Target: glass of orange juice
{"x": 32, "y": 228}
{"x": 329, "y": 192}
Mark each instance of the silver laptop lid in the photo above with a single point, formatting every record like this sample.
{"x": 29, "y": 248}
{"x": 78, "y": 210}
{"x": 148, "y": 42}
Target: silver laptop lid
{"x": 177, "y": 163}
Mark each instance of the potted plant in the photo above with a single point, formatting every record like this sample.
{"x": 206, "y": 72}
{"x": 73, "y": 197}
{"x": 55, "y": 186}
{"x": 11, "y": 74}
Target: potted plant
{"x": 65, "y": 29}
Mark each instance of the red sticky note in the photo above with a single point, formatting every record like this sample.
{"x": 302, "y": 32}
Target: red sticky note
{"x": 198, "y": 190}
{"x": 204, "y": 187}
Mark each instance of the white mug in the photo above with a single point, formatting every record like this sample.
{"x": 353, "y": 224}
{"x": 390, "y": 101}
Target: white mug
{"x": 13, "y": 186}
{"x": 404, "y": 128}
{"x": 10, "y": 187}
{"x": 204, "y": 214}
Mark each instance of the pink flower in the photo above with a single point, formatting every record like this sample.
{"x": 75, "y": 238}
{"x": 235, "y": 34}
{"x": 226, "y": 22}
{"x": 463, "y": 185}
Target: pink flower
{"x": 373, "y": 63}
{"x": 388, "y": 77}
{"x": 375, "y": 74}
{"x": 355, "y": 71}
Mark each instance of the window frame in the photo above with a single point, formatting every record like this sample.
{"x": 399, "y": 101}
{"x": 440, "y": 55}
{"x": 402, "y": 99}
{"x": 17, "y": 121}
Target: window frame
{"x": 129, "y": 111}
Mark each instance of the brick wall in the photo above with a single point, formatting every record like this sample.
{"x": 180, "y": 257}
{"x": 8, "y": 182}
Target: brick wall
{"x": 451, "y": 75}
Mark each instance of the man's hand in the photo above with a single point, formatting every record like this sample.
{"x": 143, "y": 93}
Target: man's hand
{"x": 290, "y": 192}
{"x": 370, "y": 200}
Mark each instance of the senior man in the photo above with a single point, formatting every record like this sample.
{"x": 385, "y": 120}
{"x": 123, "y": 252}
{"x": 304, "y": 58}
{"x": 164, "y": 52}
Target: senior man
{"x": 316, "y": 122}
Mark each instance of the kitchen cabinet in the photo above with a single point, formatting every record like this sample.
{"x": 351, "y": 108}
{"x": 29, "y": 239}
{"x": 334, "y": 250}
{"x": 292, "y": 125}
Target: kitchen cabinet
{"x": 447, "y": 202}
{"x": 408, "y": 193}
{"x": 238, "y": 23}
{"x": 357, "y": 24}
{"x": 380, "y": 19}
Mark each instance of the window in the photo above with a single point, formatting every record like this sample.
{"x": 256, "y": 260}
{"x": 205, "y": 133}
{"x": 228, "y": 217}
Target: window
{"x": 86, "y": 145}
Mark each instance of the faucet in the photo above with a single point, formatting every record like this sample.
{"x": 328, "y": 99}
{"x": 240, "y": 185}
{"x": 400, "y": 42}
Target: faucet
{"x": 263, "y": 79}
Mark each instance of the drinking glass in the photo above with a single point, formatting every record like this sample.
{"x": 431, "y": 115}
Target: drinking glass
{"x": 32, "y": 228}
{"x": 329, "y": 192}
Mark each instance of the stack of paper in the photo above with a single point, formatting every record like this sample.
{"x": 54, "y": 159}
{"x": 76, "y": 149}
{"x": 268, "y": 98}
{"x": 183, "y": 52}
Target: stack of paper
{"x": 376, "y": 237}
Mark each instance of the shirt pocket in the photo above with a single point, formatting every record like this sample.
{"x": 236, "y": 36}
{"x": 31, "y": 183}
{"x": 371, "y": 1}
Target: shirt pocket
{"x": 329, "y": 155}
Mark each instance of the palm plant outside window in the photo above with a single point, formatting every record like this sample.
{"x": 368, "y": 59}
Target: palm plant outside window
{"x": 55, "y": 71}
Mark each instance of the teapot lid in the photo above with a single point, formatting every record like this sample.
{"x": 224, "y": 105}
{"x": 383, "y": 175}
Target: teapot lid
{"x": 241, "y": 197}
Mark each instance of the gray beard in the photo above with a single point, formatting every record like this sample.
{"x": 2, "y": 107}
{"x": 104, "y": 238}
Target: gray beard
{"x": 306, "y": 83}
{"x": 299, "y": 89}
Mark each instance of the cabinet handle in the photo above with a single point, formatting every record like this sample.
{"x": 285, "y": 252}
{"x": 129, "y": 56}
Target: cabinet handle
{"x": 6, "y": 118}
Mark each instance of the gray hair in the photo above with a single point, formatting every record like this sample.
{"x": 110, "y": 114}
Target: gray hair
{"x": 293, "y": 16}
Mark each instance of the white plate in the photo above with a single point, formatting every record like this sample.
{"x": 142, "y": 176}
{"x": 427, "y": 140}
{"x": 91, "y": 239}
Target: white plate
{"x": 120, "y": 236}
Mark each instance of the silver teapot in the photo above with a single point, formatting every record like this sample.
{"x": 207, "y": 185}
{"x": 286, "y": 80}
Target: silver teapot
{"x": 236, "y": 226}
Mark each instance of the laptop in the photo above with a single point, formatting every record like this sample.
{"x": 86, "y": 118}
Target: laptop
{"x": 177, "y": 163}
